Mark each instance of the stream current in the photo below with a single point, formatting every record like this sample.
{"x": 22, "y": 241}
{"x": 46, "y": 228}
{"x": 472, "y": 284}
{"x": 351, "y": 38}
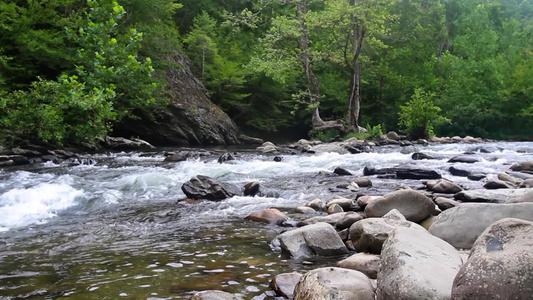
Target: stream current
{"x": 116, "y": 229}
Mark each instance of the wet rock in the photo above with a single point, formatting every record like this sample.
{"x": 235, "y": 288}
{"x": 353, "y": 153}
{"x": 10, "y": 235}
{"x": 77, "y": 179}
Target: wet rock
{"x": 417, "y": 174}
{"x": 334, "y": 283}
{"x": 393, "y": 136}
{"x": 214, "y": 295}
{"x": 252, "y": 188}
{"x": 341, "y": 171}
{"x": 334, "y": 208}
{"x": 528, "y": 183}
{"x": 508, "y": 178}
{"x": 304, "y": 210}
{"x": 494, "y": 184}
{"x": 181, "y": 156}
{"x": 520, "y": 175}
{"x": 411, "y": 204}
{"x": 365, "y": 263}
{"x": 500, "y": 264}
{"x": 345, "y": 203}
{"x": 249, "y": 140}
{"x": 476, "y": 177}
{"x": 317, "y": 204}
{"x": 364, "y": 200}
{"x": 368, "y": 235}
{"x": 444, "y": 186}
{"x": 316, "y": 239}
{"x": 329, "y": 148}
{"x": 268, "y": 147}
{"x": 11, "y": 160}
{"x": 225, "y": 157}
{"x": 468, "y": 159}
{"x": 523, "y": 166}
{"x": 462, "y": 225}
{"x": 284, "y": 284}
{"x": 459, "y": 172}
{"x": 204, "y": 187}
{"x": 362, "y": 181}
{"x": 347, "y": 221}
{"x": 331, "y": 219}
{"x": 123, "y": 144}
{"x": 52, "y": 158}
{"x": 26, "y": 152}
{"x": 445, "y": 203}
{"x": 271, "y": 216}
{"x": 420, "y": 156}
{"x": 409, "y": 260}
{"x": 278, "y": 158}
{"x": 492, "y": 196}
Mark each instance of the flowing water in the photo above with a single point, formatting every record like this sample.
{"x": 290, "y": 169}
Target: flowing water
{"x": 116, "y": 229}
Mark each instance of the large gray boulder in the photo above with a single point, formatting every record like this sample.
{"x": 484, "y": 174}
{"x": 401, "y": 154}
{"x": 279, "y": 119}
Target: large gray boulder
{"x": 362, "y": 262}
{"x": 204, "y": 187}
{"x": 329, "y": 147}
{"x": 500, "y": 265}
{"x": 368, "y": 235}
{"x": 411, "y": 204}
{"x": 214, "y": 295}
{"x": 444, "y": 186}
{"x": 317, "y": 239}
{"x": 523, "y": 166}
{"x": 463, "y": 224}
{"x": 284, "y": 284}
{"x": 334, "y": 284}
{"x": 416, "y": 265}
{"x": 492, "y": 196}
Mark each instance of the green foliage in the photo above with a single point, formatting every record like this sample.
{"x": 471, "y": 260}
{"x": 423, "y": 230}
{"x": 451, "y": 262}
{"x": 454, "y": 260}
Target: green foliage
{"x": 374, "y": 132}
{"x": 328, "y": 135}
{"x": 420, "y": 115}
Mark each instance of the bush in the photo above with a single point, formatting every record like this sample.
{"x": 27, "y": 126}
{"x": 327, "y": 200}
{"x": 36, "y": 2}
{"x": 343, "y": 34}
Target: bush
{"x": 373, "y": 132}
{"x": 420, "y": 115}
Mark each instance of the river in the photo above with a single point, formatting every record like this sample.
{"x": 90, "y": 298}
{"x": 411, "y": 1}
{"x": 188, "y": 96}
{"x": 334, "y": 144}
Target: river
{"x": 116, "y": 229}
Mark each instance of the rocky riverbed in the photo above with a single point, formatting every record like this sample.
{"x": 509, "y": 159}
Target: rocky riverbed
{"x": 255, "y": 223}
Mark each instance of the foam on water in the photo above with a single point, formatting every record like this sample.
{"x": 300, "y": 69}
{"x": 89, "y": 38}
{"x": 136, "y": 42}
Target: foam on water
{"x": 25, "y": 206}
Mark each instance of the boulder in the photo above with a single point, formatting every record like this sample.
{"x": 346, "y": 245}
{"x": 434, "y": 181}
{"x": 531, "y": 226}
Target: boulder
{"x": 417, "y": 174}
{"x": 444, "y": 186}
{"x": 331, "y": 219}
{"x": 459, "y": 172}
{"x": 268, "y": 147}
{"x": 368, "y": 235}
{"x": 364, "y": 200}
{"x": 347, "y": 221}
{"x": 514, "y": 180}
{"x": 317, "y": 205}
{"x": 329, "y": 147}
{"x": 366, "y": 263}
{"x": 528, "y": 183}
{"x": 123, "y": 144}
{"x": 362, "y": 181}
{"x": 334, "y": 209}
{"x": 523, "y": 166}
{"x": 304, "y": 210}
{"x": 271, "y": 216}
{"x": 411, "y": 204}
{"x": 494, "y": 184}
{"x": 249, "y": 140}
{"x": 284, "y": 284}
{"x": 345, "y": 203}
{"x": 476, "y": 177}
{"x": 317, "y": 239}
{"x": 462, "y": 225}
{"x": 416, "y": 265}
{"x": 492, "y": 196}
{"x": 500, "y": 265}
{"x": 445, "y": 203}
{"x": 181, "y": 156}
{"x": 214, "y": 295}
{"x": 468, "y": 159}
{"x": 225, "y": 157}
{"x": 341, "y": 171}
{"x": 204, "y": 187}
{"x": 520, "y": 175}
{"x": 334, "y": 283}
{"x": 252, "y": 189}
{"x": 421, "y": 156}
{"x": 392, "y": 135}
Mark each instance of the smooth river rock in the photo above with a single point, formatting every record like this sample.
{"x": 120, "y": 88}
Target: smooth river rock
{"x": 331, "y": 219}
{"x": 493, "y": 196}
{"x": 462, "y": 225}
{"x": 204, "y": 187}
{"x": 500, "y": 265}
{"x": 413, "y": 205}
{"x": 523, "y": 166}
{"x": 334, "y": 284}
{"x": 284, "y": 284}
{"x": 214, "y": 295}
{"x": 416, "y": 265}
{"x": 366, "y": 263}
{"x": 317, "y": 239}
{"x": 271, "y": 216}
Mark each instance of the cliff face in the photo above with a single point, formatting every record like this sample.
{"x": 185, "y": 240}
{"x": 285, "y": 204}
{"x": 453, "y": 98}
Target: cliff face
{"x": 190, "y": 118}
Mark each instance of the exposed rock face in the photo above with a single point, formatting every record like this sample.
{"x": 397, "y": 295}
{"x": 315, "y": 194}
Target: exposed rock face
{"x": 189, "y": 119}
{"x": 204, "y": 187}
{"x": 334, "y": 283}
{"x": 411, "y": 204}
{"x": 500, "y": 265}
{"x": 463, "y": 224}
{"x": 317, "y": 239}
{"x": 416, "y": 265}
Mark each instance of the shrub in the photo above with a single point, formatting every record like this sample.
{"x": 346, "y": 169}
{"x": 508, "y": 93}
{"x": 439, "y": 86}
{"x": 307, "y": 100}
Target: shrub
{"x": 420, "y": 115}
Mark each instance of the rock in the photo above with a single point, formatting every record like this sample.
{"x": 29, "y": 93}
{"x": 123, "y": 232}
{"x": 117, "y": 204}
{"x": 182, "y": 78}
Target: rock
{"x": 317, "y": 205}
{"x": 500, "y": 265}
{"x": 348, "y": 220}
{"x": 304, "y": 210}
{"x": 341, "y": 171}
{"x": 368, "y": 235}
{"x": 494, "y": 184}
{"x": 393, "y": 136}
{"x": 329, "y": 148}
{"x": 364, "y": 200}
{"x": 204, "y": 187}
{"x": 514, "y": 180}
{"x": 459, "y": 172}
{"x": 362, "y": 181}
{"x": 190, "y": 117}
{"x": 523, "y": 166}
{"x": 492, "y": 196}
{"x": 444, "y": 186}
{"x": 51, "y": 158}
{"x": 278, "y": 158}
{"x": 462, "y": 225}
{"x": 331, "y": 219}
{"x": 417, "y": 174}
{"x": 468, "y": 159}
{"x": 520, "y": 175}
{"x": 528, "y": 183}
{"x": 10, "y": 160}
{"x": 428, "y": 222}
{"x": 252, "y": 188}
{"x": 420, "y": 156}
{"x": 316, "y": 239}
{"x": 445, "y": 203}
{"x": 214, "y": 295}
{"x": 366, "y": 263}
{"x": 422, "y": 142}
{"x": 411, "y": 204}
{"x": 120, "y": 143}
{"x": 476, "y": 177}
{"x": 335, "y": 208}
{"x": 26, "y": 152}
{"x": 334, "y": 284}
{"x": 250, "y": 140}
{"x": 409, "y": 262}
{"x": 284, "y": 284}
{"x": 268, "y": 147}
{"x": 345, "y": 203}
{"x": 181, "y": 156}
{"x": 225, "y": 157}
{"x": 271, "y": 216}
{"x": 470, "y": 140}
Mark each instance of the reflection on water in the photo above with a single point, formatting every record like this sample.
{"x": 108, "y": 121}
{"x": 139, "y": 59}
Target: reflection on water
{"x": 117, "y": 229}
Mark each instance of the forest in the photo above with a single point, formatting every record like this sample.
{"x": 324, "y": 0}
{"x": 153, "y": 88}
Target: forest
{"x": 71, "y": 70}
